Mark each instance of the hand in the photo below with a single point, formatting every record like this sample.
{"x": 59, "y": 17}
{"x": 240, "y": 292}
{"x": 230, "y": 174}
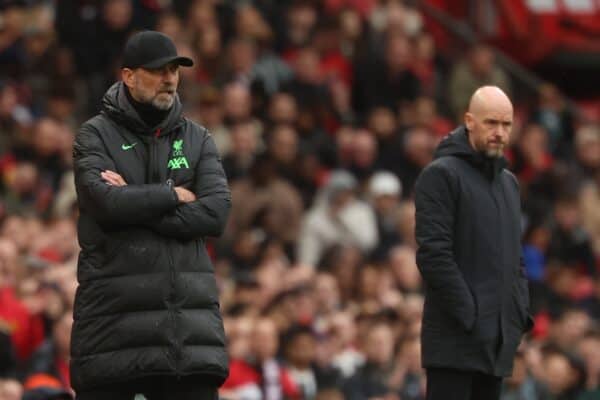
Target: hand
{"x": 184, "y": 195}
{"x": 112, "y": 178}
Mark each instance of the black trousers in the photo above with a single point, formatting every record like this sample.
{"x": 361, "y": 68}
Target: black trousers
{"x": 155, "y": 388}
{"x": 451, "y": 384}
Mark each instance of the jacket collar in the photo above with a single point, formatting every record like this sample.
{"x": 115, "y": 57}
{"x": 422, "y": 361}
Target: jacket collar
{"x": 457, "y": 144}
{"x": 116, "y": 105}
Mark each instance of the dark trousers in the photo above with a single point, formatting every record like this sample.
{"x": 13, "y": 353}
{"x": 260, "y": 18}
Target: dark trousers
{"x": 451, "y": 384}
{"x": 155, "y": 388}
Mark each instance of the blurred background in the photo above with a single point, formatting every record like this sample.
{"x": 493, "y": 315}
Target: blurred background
{"x": 325, "y": 112}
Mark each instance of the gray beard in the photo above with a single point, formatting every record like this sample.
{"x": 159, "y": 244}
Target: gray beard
{"x": 163, "y": 105}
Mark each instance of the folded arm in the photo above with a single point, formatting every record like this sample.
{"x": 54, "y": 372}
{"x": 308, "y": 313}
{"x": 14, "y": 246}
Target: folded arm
{"x": 108, "y": 203}
{"x": 207, "y": 215}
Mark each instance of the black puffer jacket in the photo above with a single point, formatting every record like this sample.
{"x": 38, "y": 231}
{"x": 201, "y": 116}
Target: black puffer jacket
{"x": 468, "y": 230}
{"x": 147, "y": 302}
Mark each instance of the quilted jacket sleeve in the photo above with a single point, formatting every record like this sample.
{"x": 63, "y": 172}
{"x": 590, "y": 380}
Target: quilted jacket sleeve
{"x": 207, "y": 215}
{"x": 125, "y": 205}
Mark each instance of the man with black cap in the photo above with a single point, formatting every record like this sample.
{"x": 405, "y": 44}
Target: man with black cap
{"x": 150, "y": 188}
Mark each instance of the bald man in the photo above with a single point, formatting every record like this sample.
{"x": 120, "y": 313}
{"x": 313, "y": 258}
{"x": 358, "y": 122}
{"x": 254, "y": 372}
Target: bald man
{"x": 468, "y": 232}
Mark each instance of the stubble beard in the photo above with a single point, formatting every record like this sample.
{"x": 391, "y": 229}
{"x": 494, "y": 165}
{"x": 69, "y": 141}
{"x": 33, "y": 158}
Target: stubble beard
{"x": 495, "y": 152}
{"x": 491, "y": 150}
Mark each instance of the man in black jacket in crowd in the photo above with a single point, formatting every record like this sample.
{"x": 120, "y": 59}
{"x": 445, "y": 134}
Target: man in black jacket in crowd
{"x": 150, "y": 187}
{"x": 468, "y": 231}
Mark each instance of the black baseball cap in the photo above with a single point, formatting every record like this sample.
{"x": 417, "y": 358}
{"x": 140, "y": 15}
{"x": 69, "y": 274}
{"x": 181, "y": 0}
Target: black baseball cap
{"x": 151, "y": 49}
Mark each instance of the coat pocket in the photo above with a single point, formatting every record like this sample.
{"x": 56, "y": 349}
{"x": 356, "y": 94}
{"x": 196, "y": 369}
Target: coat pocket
{"x": 488, "y": 305}
{"x": 520, "y": 297}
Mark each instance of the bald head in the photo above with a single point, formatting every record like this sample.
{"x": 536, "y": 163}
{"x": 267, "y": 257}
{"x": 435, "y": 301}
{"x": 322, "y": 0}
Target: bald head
{"x": 489, "y": 97}
{"x": 489, "y": 120}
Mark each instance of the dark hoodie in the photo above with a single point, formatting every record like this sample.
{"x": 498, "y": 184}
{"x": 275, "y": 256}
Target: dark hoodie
{"x": 457, "y": 144}
{"x": 468, "y": 232}
{"x": 116, "y": 104}
{"x": 147, "y": 302}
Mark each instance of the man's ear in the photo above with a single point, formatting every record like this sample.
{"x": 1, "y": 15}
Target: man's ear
{"x": 469, "y": 121}
{"x": 128, "y": 77}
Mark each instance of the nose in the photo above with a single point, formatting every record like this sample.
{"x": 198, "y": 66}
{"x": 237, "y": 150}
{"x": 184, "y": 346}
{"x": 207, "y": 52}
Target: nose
{"x": 501, "y": 131}
{"x": 169, "y": 75}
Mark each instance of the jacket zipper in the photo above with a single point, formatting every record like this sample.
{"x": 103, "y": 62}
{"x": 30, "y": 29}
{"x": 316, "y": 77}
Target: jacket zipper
{"x": 173, "y": 278}
{"x": 177, "y": 351}
{"x": 155, "y": 175}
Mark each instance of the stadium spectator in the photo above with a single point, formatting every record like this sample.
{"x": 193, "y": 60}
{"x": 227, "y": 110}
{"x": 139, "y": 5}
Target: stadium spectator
{"x": 384, "y": 193}
{"x": 269, "y": 203}
{"x": 553, "y": 114}
{"x": 300, "y": 352}
{"x": 387, "y": 80}
{"x": 282, "y": 146}
{"x": 417, "y": 151}
{"x": 263, "y": 374}
{"x": 371, "y": 379}
{"x": 363, "y": 160}
{"x": 403, "y": 266}
{"x": 564, "y": 375}
{"x": 245, "y": 143}
{"x": 477, "y": 69}
{"x": 521, "y": 385}
{"x": 52, "y": 357}
{"x": 337, "y": 217}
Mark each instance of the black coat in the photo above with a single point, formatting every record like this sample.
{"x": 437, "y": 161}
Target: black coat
{"x": 468, "y": 232}
{"x": 147, "y": 302}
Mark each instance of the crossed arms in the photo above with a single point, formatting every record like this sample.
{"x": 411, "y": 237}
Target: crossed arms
{"x": 175, "y": 212}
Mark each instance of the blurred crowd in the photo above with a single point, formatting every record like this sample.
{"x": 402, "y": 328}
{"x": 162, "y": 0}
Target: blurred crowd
{"x": 325, "y": 112}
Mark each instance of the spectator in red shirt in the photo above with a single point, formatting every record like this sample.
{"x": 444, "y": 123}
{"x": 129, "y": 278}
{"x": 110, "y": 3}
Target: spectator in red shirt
{"x": 262, "y": 376}
{"x": 26, "y": 330}
{"x": 52, "y": 357}
{"x": 531, "y": 158}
